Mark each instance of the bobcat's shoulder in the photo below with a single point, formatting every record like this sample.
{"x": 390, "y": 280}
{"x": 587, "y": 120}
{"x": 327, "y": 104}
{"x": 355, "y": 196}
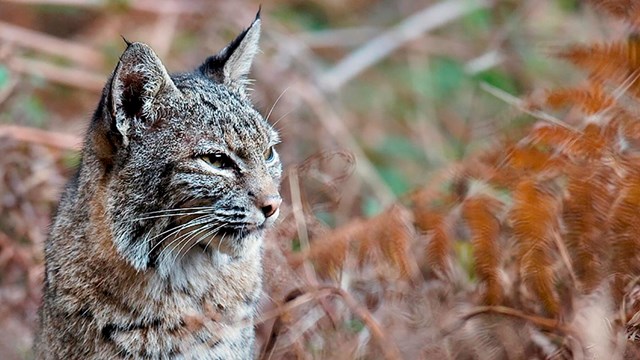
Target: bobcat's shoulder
{"x": 156, "y": 249}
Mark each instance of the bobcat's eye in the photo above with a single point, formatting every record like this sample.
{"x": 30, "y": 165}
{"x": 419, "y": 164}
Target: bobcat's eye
{"x": 269, "y": 154}
{"x": 218, "y": 161}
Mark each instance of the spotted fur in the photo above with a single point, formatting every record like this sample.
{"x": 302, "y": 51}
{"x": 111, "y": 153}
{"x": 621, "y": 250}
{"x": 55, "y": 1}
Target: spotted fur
{"x": 155, "y": 252}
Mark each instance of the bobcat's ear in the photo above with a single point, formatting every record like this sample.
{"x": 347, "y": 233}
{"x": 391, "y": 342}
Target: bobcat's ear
{"x": 232, "y": 64}
{"x": 139, "y": 79}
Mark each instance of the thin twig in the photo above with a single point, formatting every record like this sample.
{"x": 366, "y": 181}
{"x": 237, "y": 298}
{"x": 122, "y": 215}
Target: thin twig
{"x": 566, "y": 259}
{"x": 292, "y": 304}
{"x": 81, "y": 79}
{"x": 410, "y": 29}
{"x": 35, "y": 40}
{"x": 623, "y": 304}
{"x": 301, "y": 225}
{"x": 153, "y": 6}
{"x": 544, "y": 323}
{"x": 518, "y": 103}
{"x": 325, "y": 112}
{"x": 41, "y": 137}
{"x": 303, "y": 233}
{"x": 484, "y": 62}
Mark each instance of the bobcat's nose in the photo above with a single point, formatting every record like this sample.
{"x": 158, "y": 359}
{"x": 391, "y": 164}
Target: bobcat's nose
{"x": 270, "y": 205}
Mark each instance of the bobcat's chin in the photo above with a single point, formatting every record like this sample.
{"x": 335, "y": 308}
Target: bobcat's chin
{"x": 233, "y": 239}
{"x": 236, "y": 245}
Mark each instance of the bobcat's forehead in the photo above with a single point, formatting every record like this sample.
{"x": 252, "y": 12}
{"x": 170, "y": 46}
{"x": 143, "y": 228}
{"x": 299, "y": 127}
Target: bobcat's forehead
{"x": 224, "y": 117}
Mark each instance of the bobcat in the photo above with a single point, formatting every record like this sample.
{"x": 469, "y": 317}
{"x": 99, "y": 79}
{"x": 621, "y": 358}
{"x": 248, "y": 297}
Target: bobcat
{"x": 156, "y": 249}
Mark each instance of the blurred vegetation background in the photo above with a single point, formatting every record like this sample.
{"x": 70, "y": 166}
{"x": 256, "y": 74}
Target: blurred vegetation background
{"x": 395, "y": 83}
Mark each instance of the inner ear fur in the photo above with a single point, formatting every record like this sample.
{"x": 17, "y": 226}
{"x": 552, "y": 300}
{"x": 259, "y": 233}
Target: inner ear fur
{"x": 128, "y": 99}
{"x": 231, "y": 65}
{"x": 139, "y": 79}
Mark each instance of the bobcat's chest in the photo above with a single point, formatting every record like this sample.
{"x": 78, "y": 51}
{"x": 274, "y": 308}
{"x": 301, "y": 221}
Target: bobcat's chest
{"x": 205, "y": 335}
{"x": 199, "y": 312}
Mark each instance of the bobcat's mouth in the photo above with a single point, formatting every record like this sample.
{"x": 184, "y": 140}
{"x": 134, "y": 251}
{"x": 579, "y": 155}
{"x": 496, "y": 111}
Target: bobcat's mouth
{"x": 235, "y": 231}
{"x": 228, "y": 238}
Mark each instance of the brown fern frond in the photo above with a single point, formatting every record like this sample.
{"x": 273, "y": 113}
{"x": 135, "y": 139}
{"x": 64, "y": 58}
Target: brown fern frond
{"x": 479, "y": 212}
{"x": 591, "y": 99}
{"x": 625, "y": 232}
{"x": 585, "y": 215}
{"x": 328, "y": 252}
{"x": 615, "y": 63}
{"x": 490, "y": 167}
{"x": 432, "y": 214}
{"x": 602, "y": 61}
{"x": 393, "y": 233}
{"x": 385, "y": 237}
{"x": 590, "y": 144}
{"x": 534, "y": 222}
{"x": 532, "y": 159}
{"x": 434, "y": 226}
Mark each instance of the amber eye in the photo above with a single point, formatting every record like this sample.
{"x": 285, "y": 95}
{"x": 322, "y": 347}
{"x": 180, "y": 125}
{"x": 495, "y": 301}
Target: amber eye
{"x": 269, "y": 154}
{"x": 218, "y": 161}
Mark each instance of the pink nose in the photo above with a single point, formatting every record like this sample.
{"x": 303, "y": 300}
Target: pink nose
{"x": 271, "y": 205}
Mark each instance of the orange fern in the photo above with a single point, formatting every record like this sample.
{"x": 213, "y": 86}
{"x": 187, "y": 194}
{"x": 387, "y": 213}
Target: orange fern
{"x": 585, "y": 215}
{"x": 592, "y": 99}
{"x": 393, "y": 234}
{"x": 534, "y": 221}
{"x": 530, "y": 159}
{"x": 625, "y": 232}
{"x": 434, "y": 226}
{"x": 479, "y": 213}
{"x": 615, "y": 63}
{"x": 589, "y": 144}
{"x": 384, "y": 237}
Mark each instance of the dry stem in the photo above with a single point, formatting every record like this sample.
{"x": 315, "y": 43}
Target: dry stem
{"x": 409, "y": 29}
{"x": 81, "y": 79}
{"x": 41, "y": 137}
{"x": 544, "y": 323}
{"x": 70, "y": 50}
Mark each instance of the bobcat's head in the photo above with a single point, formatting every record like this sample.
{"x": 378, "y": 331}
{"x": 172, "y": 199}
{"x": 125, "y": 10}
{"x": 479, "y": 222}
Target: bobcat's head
{"x": 187, "y": 163}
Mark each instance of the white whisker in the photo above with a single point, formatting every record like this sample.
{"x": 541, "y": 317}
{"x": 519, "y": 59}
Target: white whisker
{"x": 183, "y": 238}
{"x": 221, "y": 240}
{"x": 186, "y": 241}
{"x": 173, "y": 214}
{"x": 281, "y": 117}
{"x": 214, "y": 231}
{"x": 179, "y": 209}
{"x": 275, "y": 103}
{"x": 171, "y": 231}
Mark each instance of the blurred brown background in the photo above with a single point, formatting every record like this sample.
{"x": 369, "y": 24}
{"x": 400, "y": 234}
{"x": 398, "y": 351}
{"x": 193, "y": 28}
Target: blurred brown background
{"x": 394, "y": 83}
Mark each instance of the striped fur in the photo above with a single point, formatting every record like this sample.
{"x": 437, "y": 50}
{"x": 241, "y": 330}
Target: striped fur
{"x": 155, "y": 252}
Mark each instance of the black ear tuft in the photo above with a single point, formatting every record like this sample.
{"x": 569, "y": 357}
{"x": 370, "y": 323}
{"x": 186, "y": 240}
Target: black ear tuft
{"x": 126, "y": 41}
{"x": 232, "y": 64}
